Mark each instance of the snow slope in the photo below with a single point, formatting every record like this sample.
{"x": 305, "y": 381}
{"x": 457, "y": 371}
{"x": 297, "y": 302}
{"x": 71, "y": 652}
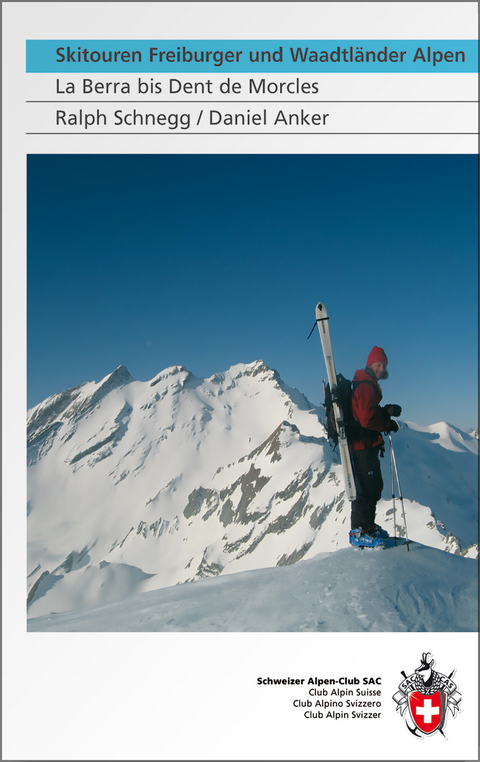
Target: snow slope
{"x": 415, "y": 590}
{"x": 135, "y": 486}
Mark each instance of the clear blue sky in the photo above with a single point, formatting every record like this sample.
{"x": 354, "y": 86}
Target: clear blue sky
{"x": 211, "y": 260}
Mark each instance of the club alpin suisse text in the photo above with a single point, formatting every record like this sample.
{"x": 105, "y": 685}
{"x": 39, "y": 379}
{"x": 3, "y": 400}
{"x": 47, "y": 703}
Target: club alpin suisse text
{"x": 335, "y": 707}
{"x": 217, "y": 58}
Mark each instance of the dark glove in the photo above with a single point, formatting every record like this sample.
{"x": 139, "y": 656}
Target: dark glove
{"x": 395, "y": 410}
{"x": 393, "y": 426}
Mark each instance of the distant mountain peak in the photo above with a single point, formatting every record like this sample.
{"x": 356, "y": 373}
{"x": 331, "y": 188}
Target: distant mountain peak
{"x": 119, "y": 377}
{"x": 173, "y": 370}
{"x": 258, "y": 366}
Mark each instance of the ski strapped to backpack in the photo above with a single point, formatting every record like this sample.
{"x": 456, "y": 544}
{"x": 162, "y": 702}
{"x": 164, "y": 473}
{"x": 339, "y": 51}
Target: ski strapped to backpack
{"x": 321, "y": 319}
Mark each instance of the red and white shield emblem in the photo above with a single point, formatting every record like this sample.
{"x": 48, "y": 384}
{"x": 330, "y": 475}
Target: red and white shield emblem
{"x": 427, "y": 710}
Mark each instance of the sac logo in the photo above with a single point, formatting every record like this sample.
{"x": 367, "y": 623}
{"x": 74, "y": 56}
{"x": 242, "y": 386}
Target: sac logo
{"x": 424, "y": 697}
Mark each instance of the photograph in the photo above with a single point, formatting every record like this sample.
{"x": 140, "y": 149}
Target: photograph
{"x": 252, "y": 393}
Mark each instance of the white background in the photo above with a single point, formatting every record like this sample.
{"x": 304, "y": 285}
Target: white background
{"x": 170, "y": 696}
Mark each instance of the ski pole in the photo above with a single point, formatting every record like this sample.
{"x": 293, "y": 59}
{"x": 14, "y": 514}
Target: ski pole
{"x": 400, "y": 497}
{"x": 393, "y": 494}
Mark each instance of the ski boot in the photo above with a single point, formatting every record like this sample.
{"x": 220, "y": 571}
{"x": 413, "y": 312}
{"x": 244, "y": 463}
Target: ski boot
{"x": 382, "y": 533}
{"x": 362, "y": 538}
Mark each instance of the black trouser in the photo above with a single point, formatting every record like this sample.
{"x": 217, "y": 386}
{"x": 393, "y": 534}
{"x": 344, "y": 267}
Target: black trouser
{"x": 369, "y": 486}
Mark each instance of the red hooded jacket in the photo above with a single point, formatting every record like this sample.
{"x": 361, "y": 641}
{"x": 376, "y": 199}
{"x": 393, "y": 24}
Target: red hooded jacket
{"x": 367, "y": 411}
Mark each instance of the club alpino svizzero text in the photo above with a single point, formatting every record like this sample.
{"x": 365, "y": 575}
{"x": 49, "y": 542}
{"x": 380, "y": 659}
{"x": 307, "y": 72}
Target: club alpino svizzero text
{"x": 299, "y": 55}
{"x": 330, "y": 698}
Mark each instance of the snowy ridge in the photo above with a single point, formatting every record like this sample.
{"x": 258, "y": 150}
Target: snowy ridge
{"x": 135, "y": 486}
{"x": 449, "y": 437}
{"x": 423, "y": 590}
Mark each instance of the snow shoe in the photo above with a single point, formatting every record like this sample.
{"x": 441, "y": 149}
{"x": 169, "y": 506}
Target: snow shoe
{"x": 361, "y": 539}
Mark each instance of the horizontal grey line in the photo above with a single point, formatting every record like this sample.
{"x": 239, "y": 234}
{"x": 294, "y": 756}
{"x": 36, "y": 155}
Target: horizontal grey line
{"x": 325, "y": 100}
{"x": 256, "y": 134}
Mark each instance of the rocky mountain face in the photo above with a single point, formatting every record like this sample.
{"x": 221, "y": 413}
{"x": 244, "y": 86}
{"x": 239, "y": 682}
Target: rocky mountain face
{"x": 135, "y": 486}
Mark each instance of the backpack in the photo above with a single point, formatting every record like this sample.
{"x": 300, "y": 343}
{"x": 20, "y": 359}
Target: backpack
{"x": 343, "y": 396}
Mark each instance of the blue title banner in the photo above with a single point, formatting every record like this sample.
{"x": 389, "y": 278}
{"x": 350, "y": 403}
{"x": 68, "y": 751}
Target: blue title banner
{"x": 237, "y": 56}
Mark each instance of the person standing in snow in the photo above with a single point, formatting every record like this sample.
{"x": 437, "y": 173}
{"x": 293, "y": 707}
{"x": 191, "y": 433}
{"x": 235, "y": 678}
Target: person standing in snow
{"x": 367, "y": 447}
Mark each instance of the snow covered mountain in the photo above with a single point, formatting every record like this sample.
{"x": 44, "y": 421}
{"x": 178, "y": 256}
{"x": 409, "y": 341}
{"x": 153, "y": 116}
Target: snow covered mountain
{"x": 136, "y": 486}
